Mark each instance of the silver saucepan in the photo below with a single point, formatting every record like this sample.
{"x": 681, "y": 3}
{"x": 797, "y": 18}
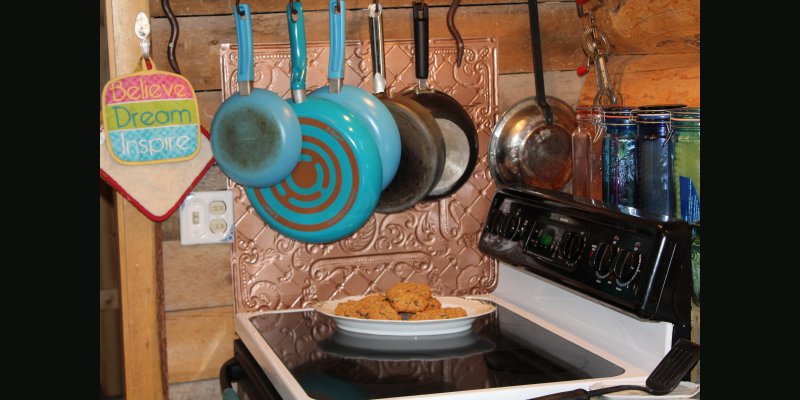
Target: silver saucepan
{"x": 531, "y": 145}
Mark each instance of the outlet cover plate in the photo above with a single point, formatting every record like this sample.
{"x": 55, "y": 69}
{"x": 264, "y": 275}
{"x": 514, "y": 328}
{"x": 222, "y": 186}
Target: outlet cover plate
{"x": 207, "y": 217}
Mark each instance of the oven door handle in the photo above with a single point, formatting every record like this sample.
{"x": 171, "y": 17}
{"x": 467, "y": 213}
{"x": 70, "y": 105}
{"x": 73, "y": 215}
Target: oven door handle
{"x": 577, "y": 394}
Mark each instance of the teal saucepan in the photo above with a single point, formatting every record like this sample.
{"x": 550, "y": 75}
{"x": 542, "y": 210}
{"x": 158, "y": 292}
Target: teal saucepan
{"x": 335, "y": 186}
{"x": 255, "y": 134}
{"x": 368, "y": 108}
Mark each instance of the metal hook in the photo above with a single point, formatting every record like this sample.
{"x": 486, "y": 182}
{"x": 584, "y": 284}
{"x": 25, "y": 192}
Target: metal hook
{"x": 173, "y": 36}
{"x": 595, "y": 42}
{"x": 291, "y": 5}
{"x": 241, "y": 13}
{"x": 338, "y": 6}
{"x": 451, "y": 26}
{"x": 375, "y": 9}
{"x": 670, "y": 130}
{"x": 142, "y": 29}
{"x": 597, "y": 121}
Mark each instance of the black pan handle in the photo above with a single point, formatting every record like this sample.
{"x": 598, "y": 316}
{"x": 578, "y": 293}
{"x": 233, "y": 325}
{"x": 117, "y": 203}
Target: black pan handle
{"x": 421, "y": 40}
{"x": 376, "y": 47}
{"x": 538, "y": 71}
{"x": 577, "y": 394}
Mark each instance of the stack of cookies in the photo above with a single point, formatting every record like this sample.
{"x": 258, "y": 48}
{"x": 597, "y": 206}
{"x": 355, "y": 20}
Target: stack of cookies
{"x": 405, "y": 300}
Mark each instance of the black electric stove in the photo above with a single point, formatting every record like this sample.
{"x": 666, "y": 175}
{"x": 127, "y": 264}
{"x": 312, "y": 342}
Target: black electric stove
{"x": 502, "y": 349}
{"x": 587, "y": 294}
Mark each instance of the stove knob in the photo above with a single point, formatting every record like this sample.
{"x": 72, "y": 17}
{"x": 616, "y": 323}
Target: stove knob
{"x": 571, "y": 246}
{"x": 626, "y": 265}
{"x": 603, "y": 259}
{"x": 497, "y": 223}
{"x": 510, "y": 226}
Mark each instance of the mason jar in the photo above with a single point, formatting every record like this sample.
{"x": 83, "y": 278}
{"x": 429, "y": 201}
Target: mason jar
{"x": 686, "y": 125}
{"x": 618, "y": 128}
{"x": 587, "y": 157}
{"x": 655, "y": 151}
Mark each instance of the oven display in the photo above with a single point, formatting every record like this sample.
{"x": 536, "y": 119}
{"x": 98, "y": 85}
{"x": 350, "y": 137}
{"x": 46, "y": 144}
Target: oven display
{"x": 502, "y": 349}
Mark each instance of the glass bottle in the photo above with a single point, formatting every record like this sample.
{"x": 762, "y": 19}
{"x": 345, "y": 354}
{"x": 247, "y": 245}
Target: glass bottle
{"x": 587, "y": 163}
{"x": 686, "y": 124}
{"x": 655, "y": 150}
{"x": 618, "y": 128}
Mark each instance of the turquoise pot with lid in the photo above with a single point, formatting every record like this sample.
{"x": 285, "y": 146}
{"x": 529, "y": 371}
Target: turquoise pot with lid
{"x": 336, "y": 184}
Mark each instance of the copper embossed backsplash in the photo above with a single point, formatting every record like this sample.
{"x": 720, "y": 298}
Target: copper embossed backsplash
{"x": 435, "y": 242}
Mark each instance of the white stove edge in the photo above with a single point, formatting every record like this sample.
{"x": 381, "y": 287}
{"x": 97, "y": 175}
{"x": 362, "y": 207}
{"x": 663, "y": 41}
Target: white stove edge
{"x": 638, "y": 342}
{"x": 540, "y": 292}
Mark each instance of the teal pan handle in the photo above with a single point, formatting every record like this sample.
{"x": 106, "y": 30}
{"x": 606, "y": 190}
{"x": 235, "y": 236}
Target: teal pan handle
{"x": 297, "y": 40}
{"x": 244, "y": 35}
{"x": 336, "y": 62}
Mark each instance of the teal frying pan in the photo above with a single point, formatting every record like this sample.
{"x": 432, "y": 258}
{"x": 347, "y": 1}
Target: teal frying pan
{"x": 255, "y": 134}
{"x": 335, "y": 186}
{"x": 364, "y": 105}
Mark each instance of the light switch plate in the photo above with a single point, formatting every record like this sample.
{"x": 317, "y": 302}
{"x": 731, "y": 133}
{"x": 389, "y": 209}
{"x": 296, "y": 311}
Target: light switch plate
{"x": 207, "y": 217}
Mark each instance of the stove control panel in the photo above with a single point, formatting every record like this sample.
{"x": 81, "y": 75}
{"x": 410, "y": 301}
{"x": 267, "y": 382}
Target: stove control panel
{"x": 638, "y": 263}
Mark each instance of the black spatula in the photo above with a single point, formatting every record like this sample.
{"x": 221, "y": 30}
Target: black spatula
{"x": 664, "y": 379}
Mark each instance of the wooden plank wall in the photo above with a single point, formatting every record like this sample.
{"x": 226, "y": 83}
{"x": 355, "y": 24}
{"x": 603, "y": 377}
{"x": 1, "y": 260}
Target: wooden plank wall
{"x": 198, "y": 293}
{"x": 655, "y": 55}
{"x": 198, "y": 299}
{"x": 110, "y": 335}
{"x": 140, "y": 273}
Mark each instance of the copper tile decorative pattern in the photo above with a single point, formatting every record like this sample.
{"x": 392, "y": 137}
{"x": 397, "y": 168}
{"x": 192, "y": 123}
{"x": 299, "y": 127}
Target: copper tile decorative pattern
{"x": 435, "y": 242}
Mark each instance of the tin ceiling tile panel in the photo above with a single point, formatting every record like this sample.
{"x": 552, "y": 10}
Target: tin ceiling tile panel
{"x": 435, "y": 242}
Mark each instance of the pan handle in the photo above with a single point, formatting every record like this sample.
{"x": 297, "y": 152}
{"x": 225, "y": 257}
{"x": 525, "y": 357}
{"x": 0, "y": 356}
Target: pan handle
{"x": 297, "y": 41}
{"x": 376, "y": 46}
{"x": 421, "y": 40}
{"x": 244, "y": 36}
{"x": 336, "y": 62}
{"x": 538, "y": 71}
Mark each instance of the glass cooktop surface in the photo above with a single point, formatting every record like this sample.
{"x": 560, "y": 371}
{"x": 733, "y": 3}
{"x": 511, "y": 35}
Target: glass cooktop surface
{"x": 502, "y": 349}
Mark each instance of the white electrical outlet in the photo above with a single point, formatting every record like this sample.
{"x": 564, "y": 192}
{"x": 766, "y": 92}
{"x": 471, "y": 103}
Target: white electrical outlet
{"x": 207, "y": 217}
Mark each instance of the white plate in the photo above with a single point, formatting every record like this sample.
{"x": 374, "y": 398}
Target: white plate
{"x": 683, "y": 391}
{"x": 404, "y": 348}
{"x": 474, "y": 309}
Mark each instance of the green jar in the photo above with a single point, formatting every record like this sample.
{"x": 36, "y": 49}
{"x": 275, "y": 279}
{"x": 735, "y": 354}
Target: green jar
{"x": 686, "y": 128}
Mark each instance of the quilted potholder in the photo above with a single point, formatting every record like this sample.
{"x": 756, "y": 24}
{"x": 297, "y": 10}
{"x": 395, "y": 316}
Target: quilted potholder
{"x": 153, "y": 149}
